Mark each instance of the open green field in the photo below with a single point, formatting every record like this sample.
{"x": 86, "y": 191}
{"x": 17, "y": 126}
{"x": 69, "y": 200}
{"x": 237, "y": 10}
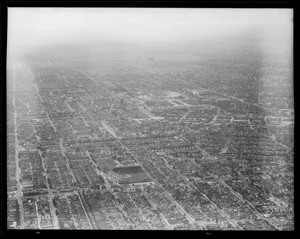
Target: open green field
{"x": 136, "y": 178}
{"x": 128, "y": 170}
{"x": 134, "y": 174}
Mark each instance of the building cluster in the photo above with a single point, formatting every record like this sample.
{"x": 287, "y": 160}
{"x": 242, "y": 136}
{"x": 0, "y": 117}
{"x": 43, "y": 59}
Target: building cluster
{"x": 213, "y": 147}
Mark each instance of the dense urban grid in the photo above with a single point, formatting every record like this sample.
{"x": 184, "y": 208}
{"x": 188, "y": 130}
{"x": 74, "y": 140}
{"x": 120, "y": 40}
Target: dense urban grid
{"x": 156, "y": 141}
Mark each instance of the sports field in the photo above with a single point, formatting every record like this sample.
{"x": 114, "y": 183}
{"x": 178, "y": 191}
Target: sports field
{"x": 134, "y": 174}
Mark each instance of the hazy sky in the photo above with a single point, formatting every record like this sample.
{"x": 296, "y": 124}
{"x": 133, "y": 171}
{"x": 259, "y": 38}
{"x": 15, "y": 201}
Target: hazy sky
{"x": 63, "y": 25}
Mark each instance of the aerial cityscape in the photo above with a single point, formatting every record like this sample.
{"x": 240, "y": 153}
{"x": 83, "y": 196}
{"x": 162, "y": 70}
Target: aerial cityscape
{"x": 152, "y": 136}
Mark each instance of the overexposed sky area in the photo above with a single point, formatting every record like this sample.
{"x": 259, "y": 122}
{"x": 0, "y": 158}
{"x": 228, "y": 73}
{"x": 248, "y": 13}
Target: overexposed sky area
{"x": 63, "y": 25}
